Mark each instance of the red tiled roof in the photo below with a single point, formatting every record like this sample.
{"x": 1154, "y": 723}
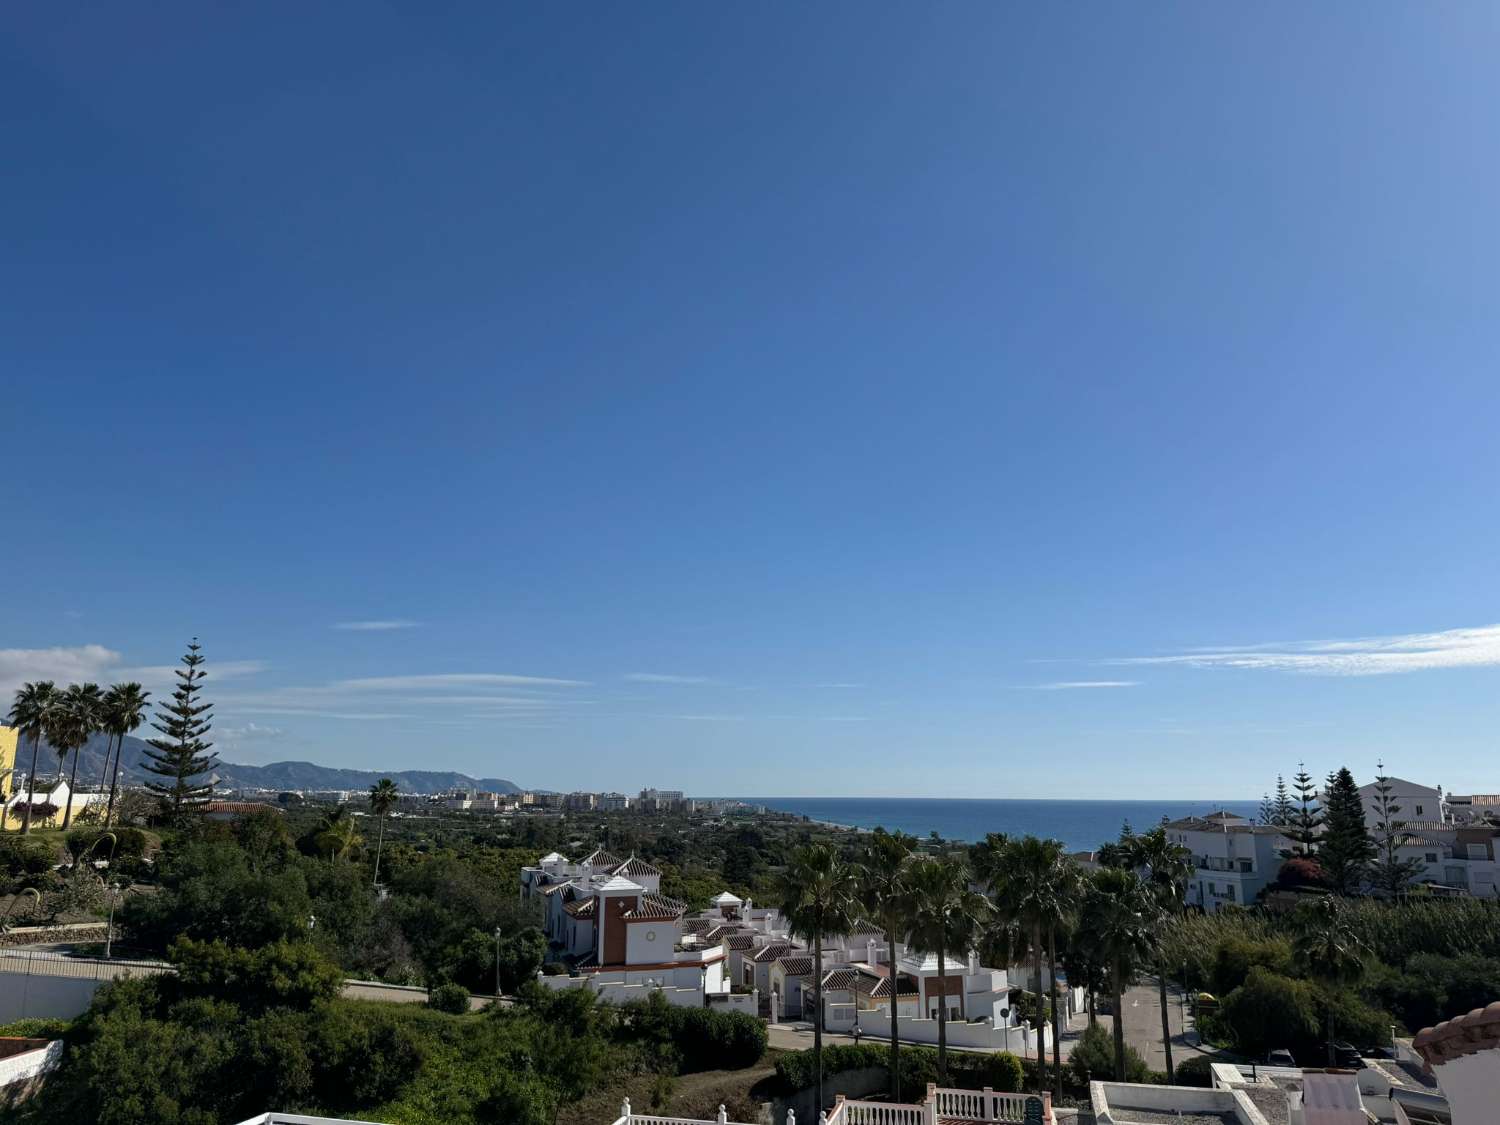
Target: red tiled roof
{"x": 238, "y": 807}
{"x": 698, "y": 925}
{"x": 653, "y": 905}
{"x": 584, "y": 908}
{"x": 600, "y": 858}
{"x": 1462, "y": 1035}
{"x": 633, "y": 867}
{"x": 882, "y": 987}
{"x": 796, "y": 966}
{"x": 771, "y": 952}
{"x": 841, "y": 978}
{"x": 741, "y": 941}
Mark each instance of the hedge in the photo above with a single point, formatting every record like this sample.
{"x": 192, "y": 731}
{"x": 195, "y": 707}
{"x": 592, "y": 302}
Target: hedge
{"x": 966, "y": 1069}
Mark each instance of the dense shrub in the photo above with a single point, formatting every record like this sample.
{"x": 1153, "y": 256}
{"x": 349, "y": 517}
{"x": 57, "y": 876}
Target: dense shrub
{"x": 450, "y": 997}
{"x": 1235, "y": 957}
{"x": 694, "y": 1039}
{"x": 1093, "y": 1057}
{"x": 1270, "y": 1011}
{"x": 36, "y": 1027}
{"x": 1433, "y": 988}
{"x": 1195, "y": 1070}
{"x": 130, "y": 843}
{"x": 968, "y": 1070}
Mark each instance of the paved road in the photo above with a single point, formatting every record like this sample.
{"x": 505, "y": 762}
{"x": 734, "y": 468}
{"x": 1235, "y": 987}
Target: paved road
{"x": 1142, "y": 1009}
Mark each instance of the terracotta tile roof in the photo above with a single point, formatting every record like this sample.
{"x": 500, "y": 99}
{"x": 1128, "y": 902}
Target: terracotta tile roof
{"x": 796, "y": 966}
{"x": 1462, "y": 1035}
{"x": 600, "y": 858}
{"x": 653, "y": 905}
{"x": 741, "y": 941}
{"x": 588, "y": 961}
{"x": 841, "y": 978}
{"x": 904, "y": 988}
{"x": 698, "y": 925}
{"x": 238, "y": 808}
{"x": 584, "y": 908}
{"x": 865, "y": 926}
{"x": 553, "y": 888}
{"x": 718, "y": 933}
{"x": 634, "y": 867}
{"x": 771, "y": 952}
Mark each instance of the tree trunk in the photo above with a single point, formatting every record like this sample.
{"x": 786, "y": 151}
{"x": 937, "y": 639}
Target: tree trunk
{"x": 1093, "y": 1015}
{"x": 109, "y": 743}
{"x": 942, "y": 1018}
{"x": 1041, "y": 1015}
{"x": 1056, "y": 1029}
{"x": 1332, "y": 1060}
{"x": 818, "y": 1015}
{"x": 379, "y": 844}
{"x": 1166, "y": 1026}
{"x": 114, "y": 784}
{"x": 72, "y": 782}
{"x": 36, "y": 744}
{"x": 890, "y": 937}
{"x": 1119, "y": 995}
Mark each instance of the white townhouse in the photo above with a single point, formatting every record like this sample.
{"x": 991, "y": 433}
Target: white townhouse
{"x": 1409, "y": 802}
{"x": 1233, "y": 859}
{"x": 1458, "y": 858}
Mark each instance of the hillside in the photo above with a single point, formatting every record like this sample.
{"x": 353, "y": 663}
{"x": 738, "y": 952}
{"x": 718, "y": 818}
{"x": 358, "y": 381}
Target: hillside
{"x": 277, "y": 775}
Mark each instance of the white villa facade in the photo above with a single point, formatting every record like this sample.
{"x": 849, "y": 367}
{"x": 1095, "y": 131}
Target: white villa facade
{"x": 1233, "y": 859}
{"x": 1409, "y": 801}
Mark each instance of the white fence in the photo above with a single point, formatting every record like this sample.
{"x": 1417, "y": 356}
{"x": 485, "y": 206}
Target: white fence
{"x": 958, "y": 1033}
{"x": 941, "y": 1103}
{"x": 748, "y": 1002}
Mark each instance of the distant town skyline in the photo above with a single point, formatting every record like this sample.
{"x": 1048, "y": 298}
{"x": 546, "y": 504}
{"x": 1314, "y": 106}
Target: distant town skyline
{"x": 976, "y": 401}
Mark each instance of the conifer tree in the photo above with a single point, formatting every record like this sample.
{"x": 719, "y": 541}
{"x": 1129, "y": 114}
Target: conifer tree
{"x": 1284, "y": 810}
{"x": 181, "y": 757}
{"x": 1390, "y": 873}
{"x": 1346, "y": 851}
{"x": 1267, "y": 809}
{"x": 1309, "y": 817}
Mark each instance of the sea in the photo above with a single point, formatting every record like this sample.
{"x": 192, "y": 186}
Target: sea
{"x": 1081, "y": 825}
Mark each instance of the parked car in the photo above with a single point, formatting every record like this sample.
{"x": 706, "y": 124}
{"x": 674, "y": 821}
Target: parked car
{"x": 1280, "y": 1058}
{"x": 1347, "y": 1057}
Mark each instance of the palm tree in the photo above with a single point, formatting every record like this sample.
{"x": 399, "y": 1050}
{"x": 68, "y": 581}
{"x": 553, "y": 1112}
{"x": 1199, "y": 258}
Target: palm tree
{"x": 124, "y": 712}
{"x": 1166, "y": 868}
{"x": 1328, "y": 950}
{"x": 1119, "y": 916}
{"x": 83, "y": 714}
{"x": 1068, "y": 889}
{"x": 816, "y": 899}
{"x": 885, "y": 864}
{"x": 32, "y": 713}
{"x": 1028, "y": 891}
{"x": 338, "y": 835}
{"x": 383, "y": 798}
{"x": 944, "y": 916}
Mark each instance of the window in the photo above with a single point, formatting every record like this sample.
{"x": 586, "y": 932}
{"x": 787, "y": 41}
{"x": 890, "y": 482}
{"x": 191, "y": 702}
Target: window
{"x": 1419, "y": 810}
{"x": 1478, "y": 851}
{"x": 1229, "y": 890}
{"x": 1430, "y": 857}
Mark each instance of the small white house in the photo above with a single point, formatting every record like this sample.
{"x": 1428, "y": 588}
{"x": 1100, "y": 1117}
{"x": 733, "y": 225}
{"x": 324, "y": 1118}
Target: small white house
{"x": 1409, "y": 801}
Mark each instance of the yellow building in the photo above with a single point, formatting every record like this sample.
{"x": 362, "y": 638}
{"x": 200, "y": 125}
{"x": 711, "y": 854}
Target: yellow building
{"x": 9, "y": 738}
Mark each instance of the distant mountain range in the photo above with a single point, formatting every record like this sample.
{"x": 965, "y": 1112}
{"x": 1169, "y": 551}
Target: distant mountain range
{"x": 277, "y": 775}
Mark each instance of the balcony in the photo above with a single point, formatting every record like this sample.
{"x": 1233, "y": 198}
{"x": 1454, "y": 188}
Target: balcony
{"x": 940, "y": 1107}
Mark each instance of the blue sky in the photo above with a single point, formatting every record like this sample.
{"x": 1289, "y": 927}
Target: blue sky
{"x": 970, "y": 400}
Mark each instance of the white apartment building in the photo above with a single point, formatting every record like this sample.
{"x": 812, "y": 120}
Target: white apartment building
{"x": 613, "y": 802}
{"x": 1461, "y": 858}
{"x": 1233, "y": 859}
{"x": 1409, "y": 802}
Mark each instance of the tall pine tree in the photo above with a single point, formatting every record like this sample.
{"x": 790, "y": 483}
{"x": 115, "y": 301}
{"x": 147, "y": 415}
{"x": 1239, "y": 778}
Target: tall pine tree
{"x": 1309, "y": 817}
{"x": 1283, "y": 807}
{"x": 1390, "y": 873}
{"x": 181, "y": 757}
{"x": 1346, "y": 851}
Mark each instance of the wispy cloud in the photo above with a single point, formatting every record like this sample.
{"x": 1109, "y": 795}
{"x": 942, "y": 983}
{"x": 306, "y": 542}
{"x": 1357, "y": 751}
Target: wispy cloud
{"x": 664, "y": 678}
{"x": 309, "y": 712}
{"x": 838, "y": 685}
{"x": 375, "y": 626}
{"x": 1362, "y": 656}
{"x": 163, "y": 675}
{"x": 452, "y": 679}
{"x": 76, "y": 664}
{"x": 1079, "y": 685}
{"x": 248, "y": 732}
